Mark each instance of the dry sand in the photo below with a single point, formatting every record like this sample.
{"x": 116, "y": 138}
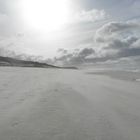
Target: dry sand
{"x": 52, "y": 104}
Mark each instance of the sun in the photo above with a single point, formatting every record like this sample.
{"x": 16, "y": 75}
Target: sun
{"x": 46, "y": 15}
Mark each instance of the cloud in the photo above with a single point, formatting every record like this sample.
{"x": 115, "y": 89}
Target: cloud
{"x": 76, "y": 57}
{"x": 112, "y": 41}
{"x": 136, "y": 44}
{"x": 117, "y": 40}
{"x": 112, "y": 29}
{"x": 62, "y": 51}
{"x": 90, "y": 16}
{"x": 121, "y": 43}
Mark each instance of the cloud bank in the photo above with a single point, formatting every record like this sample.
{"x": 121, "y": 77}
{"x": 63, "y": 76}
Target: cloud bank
{"x": 112, "y": 41}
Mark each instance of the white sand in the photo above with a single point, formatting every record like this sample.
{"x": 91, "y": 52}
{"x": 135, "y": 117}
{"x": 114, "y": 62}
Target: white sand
{"x": 52, "y": 104}
{"x": 138, "y": 80}
{"x": 119, "y": 74}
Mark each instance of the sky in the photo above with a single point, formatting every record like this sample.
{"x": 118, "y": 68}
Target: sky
{"x": 71, "y": 32}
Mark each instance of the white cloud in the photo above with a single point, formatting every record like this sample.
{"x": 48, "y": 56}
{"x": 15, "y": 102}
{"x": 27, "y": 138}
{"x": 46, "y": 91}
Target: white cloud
{"x": 112, "y": 29}
{"x": 117, "y": 40}
{"x": 90, "y": 16}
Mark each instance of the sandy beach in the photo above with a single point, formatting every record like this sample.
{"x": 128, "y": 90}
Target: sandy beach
{"x": 56, "y": 104}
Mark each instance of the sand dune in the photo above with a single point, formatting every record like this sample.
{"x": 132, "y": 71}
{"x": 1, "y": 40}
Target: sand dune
{"x": 56, "y": 104}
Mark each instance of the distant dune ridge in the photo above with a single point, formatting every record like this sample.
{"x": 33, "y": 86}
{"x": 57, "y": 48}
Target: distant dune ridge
{"x": 8, "y": 61}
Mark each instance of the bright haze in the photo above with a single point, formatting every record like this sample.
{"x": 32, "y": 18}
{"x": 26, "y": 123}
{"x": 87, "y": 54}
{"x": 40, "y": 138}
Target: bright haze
{"x": 45, "y": 15}
{"x": 72, "y": 32}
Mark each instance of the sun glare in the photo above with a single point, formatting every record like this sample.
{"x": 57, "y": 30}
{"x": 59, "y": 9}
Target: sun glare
{"x": 46, "y": 15}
